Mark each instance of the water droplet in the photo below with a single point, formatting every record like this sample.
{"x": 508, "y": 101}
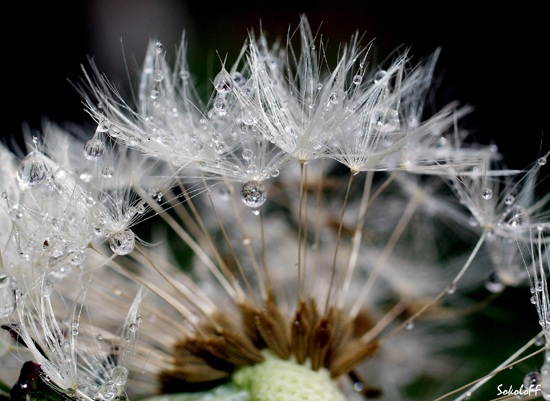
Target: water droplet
{"x": 255, "y": 211}
{"x": 246, "y": 240}
{"x": 493, "y": 283}
{"x": 387, "y": 120}
{"x": 47, "y": 288}
{"x": 107, "y": 171}
{"x": 86, "y": 176}
{"x": 247, "y": 154}
{"x": 4, "y": 195}
{"x": 274, "y": 172}
{"x": 139, "y": 319}
{"x": 90, "y": 201}
{"x": 16, "y": 212}
{"x": 7, "y": 296}
{"x": 253, "y": 194}
{"x": 539, "y": 287}
{"x": 122, "y": 243}
{"x": 542, "y": 161}
{"x": 509, "y": 199}
{"x": 225, "y": 193}
{"x": 107, "y": 392}
{"x": 409, "y": 326}
{"x": 184, "y": 75}
{"x": 223, "y": 83}
{"x": 154, "y": 94}
{"x": 473, "y": 222}
{"x": 133, "y": 327}
{"x": 531, "y": 380}
{"x": 333, "y": 98}
{"x": 487, "y": 193}
{"x": 94, "y": 149}
{"x": 158, "y": 75}
{"x": 100, "y": 337}
{"x": 119, "y": 375}
{"x": 515, "y": 216}
{"x": 221, "y": 105}
{"x": 357, "y": 79}
{"x": 158, "y": 47}
{"x": 247, "y": 118}
{"x": 140, "y": 209}
{"x": 319, "y": 86}
{"x": 379, "y": 76}
{"x": 77, "y": 258}
{"x": 451, "y": 288}
{"x": 32, "y": 170}
{"x": 238, "y": 78}
{"x": 533, "y": 300}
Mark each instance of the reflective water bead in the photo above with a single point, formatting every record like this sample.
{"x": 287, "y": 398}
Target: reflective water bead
{"x": 58, "y": 224}
{"x": 4, "y": 195}
{"x": 133, "y": 327}
{"x": 140, "y": 209}
{"x": 94, "y": 149}
{"x": 357, "y": 79}
{"x": 255, "y": 211}
{"x": 379, "y": 76}
{"x": 253, "y": 194}
{"x": 247, "y": 154}
{"x": 451, "y": 288}
{"x": 154, "y": 94}
{"x": 100, "y": 337}
{"x": 274, "y": 172}
{"x": 333, "y": 98}
{"x": 158, "y": 75}
{"x": 16, "y": 212}
{"x": 184, "y": 75}
{"x": 542, "y": 161}
{"x": 221, "y": 105}
{"x": 107, "y": 171}
{"x": 7, "y": 296}
{"x": 119, "y": 375}
{"x": 515, "y": 216}
{"x": 493, "y": 283}
{"x": 123, "y": 242}
{"x": 107, "y": 392}
{"x": 32, "y": 170}
{"x": 509, "y": 199}
{"x": 531, "y": 380}
{"x": 47, "y": 288}
{"x": 77, "y": 258}
{"x": 487, "y": 193}
{"x": 247, "y": 118}
{"x": 223, "y": 83}
{"x": 238, "y": 78}
{"x": 409, "y": 326}
{"x": 158, "y": 47}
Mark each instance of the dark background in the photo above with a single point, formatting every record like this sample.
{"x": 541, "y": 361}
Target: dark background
{"x": 492, "y": 58}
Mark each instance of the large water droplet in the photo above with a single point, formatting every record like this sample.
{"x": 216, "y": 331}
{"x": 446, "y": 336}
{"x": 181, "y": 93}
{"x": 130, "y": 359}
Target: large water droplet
{"x": 223, "y": 83}
{"x": 357, "y": 79}
{"x": 253, "y": 194}
{"x": 94, "y": 149}
{"x": 122, "y": 243}
{"x": 119, "y": 375}
{"x": 379, "y": 76}
{"x": 107, "y": 392}
{"x": 32, "y": 170}
{"x": 221, "y": 105}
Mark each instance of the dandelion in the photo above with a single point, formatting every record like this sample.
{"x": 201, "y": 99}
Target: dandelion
{"x": 318, "y": 294}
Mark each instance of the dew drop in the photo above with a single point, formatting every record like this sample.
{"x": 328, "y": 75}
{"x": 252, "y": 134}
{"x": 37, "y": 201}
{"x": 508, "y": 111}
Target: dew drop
{"x": 16, "y": 212}
{"x": 223, "y": 83}
{"x": 246, "y": 240}
{"x": 255, "y": 211}
{"x": 221, "y": 105}
{"x": 509, "y": 200}
{"x": 247, "y": 154}
{"x": 119, "y": 375}
{"x": 47, "y": 288}
{"x": 77, "y": 258}
{"x": 357, "y": 79}
{"x": 253, "y": 194}
{"x": 107, "y": 171}
{"x": 493, "y": 283}
{"x": 541, "y": 161}
{"x": 107, "y": 392}
{"x": 379, "y": 76}
{"x": 184, "y": 75}
{"x": 515, "y": 216}
{"x": 123, "y": 242}
{"x": 451, "y": 288}
{"x": 100, "y": 337}
{"x": 531, "y": 380}
{"x": 140, "y": 209}
{"x": 409, "y": 326}
{"x": 7, "y": 296}
{"x": 487, "y": 193}
{"x": 32, "y": 170}
{"x": 133, "y": 327}
{"x": 533, "y": 300}
{"x": 94, "y": 149}
{"x": 154, "y": 94}
{"x": 4, "y": 195}
{"x": 333, "y": 98}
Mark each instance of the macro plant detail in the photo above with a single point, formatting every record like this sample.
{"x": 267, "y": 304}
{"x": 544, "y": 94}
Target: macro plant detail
{"x": 288, "y": 239}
